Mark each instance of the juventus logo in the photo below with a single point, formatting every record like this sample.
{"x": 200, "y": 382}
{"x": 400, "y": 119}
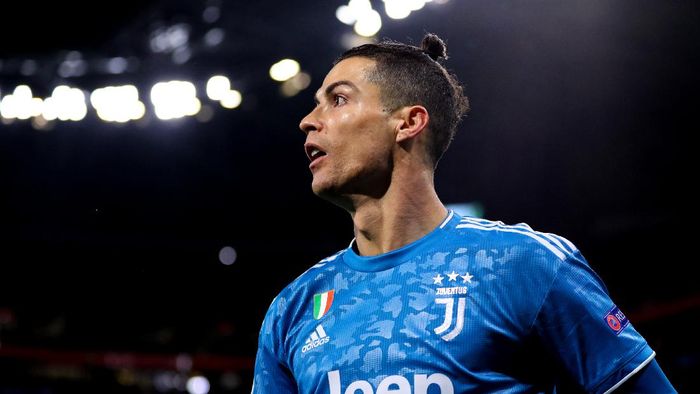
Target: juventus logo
{"x": 449, "y": 308}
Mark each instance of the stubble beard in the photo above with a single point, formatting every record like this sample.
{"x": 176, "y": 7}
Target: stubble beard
{"x": 365, "y": 183}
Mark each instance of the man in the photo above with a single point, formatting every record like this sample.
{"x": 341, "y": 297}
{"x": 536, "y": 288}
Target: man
{"x": 423, "y": 300}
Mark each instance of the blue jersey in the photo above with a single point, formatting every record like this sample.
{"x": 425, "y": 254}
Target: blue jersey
{"x": 473, "y": 306}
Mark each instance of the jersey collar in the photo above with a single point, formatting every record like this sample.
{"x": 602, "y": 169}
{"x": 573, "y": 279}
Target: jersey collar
{"x": 391, "y": 259}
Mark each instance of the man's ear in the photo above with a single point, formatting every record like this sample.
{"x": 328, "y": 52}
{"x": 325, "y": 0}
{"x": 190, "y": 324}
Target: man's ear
{"x": 412, "y": 121}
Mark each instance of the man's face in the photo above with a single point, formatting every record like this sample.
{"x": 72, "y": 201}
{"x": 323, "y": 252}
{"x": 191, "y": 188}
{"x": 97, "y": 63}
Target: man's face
{"x": 349, "y": 136}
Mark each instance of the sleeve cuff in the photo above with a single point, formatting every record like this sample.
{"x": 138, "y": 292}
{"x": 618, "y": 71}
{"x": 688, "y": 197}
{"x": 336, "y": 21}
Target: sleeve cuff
{"x": 622, "y": 374}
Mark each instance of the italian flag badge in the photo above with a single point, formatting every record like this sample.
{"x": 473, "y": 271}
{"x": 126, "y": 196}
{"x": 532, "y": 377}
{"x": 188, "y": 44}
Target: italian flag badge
{"x": 322, "y": 303}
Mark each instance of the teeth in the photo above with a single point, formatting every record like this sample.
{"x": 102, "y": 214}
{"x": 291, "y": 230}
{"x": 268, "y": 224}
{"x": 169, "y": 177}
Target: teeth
{"x": 315, "y": 153}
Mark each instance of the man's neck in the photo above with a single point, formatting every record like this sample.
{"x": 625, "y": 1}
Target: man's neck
{"x": 408, "y": 211}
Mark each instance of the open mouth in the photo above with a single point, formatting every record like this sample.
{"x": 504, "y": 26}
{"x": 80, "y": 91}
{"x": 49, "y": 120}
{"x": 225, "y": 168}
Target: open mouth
{"x": 313, "y": 152}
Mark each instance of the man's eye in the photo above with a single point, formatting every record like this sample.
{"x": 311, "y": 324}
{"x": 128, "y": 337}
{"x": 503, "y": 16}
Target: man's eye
{"x": 339, "y": 100}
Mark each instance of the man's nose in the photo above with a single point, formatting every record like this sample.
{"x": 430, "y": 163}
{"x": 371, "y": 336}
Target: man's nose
{"x": 310, "y": 123}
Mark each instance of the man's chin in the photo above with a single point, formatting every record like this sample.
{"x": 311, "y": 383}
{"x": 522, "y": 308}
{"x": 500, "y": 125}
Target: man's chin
{"x": 330, "y": 194}
{"x": 322, "y": 190}
{"x": 321, "y": 185}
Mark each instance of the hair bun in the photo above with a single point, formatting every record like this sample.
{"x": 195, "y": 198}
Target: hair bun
{"x": 433, "y": 46}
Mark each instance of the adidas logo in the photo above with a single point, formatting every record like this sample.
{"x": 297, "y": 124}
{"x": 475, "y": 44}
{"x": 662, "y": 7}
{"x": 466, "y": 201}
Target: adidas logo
{"x": 316, "y": 339}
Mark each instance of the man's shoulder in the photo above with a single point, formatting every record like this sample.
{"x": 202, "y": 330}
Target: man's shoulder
{"x": 312, "y": 272}
{"x": 518, "y": 236}
{"x": 295, "y": 300}
{"x": 299, "y": 288}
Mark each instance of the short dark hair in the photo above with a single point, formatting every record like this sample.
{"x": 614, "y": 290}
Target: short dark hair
{"x": 408, "y": 75}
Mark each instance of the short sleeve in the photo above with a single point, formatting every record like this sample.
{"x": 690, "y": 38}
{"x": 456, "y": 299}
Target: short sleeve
{"x": 585, "y": 332}
{"x": 271, "y": 376}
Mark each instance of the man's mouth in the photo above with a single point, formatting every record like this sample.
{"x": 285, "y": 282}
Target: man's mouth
{"x": 313, "y": 152}
{"x": 316, "y": 153}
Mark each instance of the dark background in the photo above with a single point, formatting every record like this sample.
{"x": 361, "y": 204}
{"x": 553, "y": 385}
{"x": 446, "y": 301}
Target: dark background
{"x": 110, "y": 281}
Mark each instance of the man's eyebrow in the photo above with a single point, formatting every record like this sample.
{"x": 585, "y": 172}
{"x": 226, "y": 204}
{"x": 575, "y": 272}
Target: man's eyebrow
{"x": 334, "y": 85}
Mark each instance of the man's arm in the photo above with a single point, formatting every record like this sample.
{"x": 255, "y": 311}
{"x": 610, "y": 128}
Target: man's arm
{"x": 651, "y": 379}
{"x": 587, "y": 334}
{"x": 271, "y": 375}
